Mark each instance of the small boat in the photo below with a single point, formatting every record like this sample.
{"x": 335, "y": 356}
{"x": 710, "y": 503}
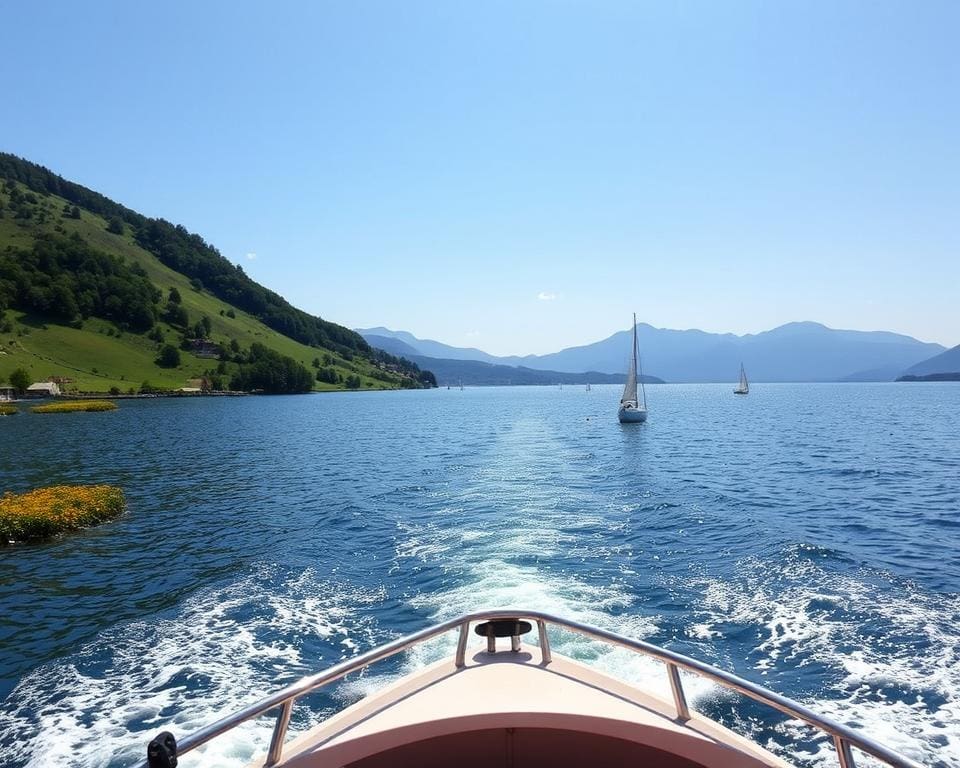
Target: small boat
{"x": 489, "y": 707}
{"x": 588, "y": 386}
{"x": 631, "y": 409}
{"x": 743, "y": 388}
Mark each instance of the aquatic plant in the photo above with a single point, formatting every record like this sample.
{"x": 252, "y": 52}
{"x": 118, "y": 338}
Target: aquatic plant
{"x": 72, "y": 406}
{"x": 48, "y": 511}
{"x": 8, "y": 410}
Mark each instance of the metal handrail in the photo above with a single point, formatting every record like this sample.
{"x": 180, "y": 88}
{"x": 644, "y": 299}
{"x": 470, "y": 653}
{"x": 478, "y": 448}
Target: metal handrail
{"x": 842, "y": 736}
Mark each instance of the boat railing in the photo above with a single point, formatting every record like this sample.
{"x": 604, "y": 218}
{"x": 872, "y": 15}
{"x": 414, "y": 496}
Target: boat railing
{"x": 843, "y": 737}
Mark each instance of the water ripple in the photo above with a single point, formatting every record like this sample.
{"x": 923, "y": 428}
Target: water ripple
{"x": 805, "y": 537}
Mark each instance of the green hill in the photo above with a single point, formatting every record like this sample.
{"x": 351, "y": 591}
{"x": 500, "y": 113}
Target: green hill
{"x": 85, "y": 293}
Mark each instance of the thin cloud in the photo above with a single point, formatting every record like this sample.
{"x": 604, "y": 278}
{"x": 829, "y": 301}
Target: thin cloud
{"x": 472, "y": 334}
{"x": 548, "y": 296}
{"x": 251, "y": 256}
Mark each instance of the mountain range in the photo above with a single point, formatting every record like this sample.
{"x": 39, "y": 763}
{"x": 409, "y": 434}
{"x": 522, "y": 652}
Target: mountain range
{"x": 946, "y": 364}
{"x": 800, "y": 351}
{"x": 452, "y": 371}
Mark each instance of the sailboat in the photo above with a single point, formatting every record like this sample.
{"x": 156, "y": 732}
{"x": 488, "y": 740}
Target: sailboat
{"x": 588, "y": 386}
{"x": 743, "y": 388}
{"x": 632, "y": 410}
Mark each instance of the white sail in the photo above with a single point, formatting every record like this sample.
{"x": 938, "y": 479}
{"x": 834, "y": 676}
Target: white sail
{"x": 630, "y": 388}
{"x": 631, "y": 411}
{"x": 743, "y": 387}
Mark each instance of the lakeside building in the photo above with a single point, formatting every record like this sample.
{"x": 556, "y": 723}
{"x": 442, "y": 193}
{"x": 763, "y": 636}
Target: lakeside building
{"x": 205, "y": 348}
{"x": 43, "y": 389}
{"x": 7, "y": 394}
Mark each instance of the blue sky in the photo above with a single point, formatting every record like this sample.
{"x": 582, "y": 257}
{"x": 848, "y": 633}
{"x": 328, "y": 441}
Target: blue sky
{"x": 523, "y": 176}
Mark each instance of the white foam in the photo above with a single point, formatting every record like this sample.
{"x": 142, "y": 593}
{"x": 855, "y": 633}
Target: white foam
{"x": 104, "y": 714}
{"x": 484, "y": 575}
{"x": 803, "y": 614}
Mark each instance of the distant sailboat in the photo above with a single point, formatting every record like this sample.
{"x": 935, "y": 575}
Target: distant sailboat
{"x": 588, "y": 386}
{"x": 631, "y": 409}
{"x": 461, "y": 385}
{"x": 743, "y": 388}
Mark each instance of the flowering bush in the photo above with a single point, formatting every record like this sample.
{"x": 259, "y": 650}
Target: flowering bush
{"x": 47, "y": 511}
{"x": 70, "y": 406}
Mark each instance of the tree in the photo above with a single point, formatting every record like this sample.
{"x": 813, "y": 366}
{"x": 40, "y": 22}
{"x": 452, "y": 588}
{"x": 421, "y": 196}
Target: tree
{"x": 353, "y": 381}
{"x": 174, "y": 296}
{"x": 176, "y": 315}
{"x": 169, "y": 356}
{"x": 328, "y": 375}
{"x": 74, "y": 212}
{"x": 268, "y": 371}
{"x": 207, "y": 325}
{"x": 66, "y": 278}
{"x": 115, "y": 226}
{"x": 20, "y": 380}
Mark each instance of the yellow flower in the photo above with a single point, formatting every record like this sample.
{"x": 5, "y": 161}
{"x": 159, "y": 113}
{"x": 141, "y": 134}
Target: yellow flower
{"x": 71, "y": 406}
{"x": 47, "y": 511}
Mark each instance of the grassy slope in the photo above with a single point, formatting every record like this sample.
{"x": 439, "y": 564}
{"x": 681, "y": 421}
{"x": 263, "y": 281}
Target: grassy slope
{"x": 97, "y": 361}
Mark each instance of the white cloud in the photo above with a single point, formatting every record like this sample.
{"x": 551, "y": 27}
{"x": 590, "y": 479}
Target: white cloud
{"x": 548, "y": 296}
{"x": 251, "y": 256}
{"x": 472, "y": 334}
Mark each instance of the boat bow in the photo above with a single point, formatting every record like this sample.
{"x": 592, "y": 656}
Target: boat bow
{"x": 544, "y": 698}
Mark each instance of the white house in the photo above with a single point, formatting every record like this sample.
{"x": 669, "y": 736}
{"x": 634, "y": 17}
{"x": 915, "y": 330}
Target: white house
{"x": 43, "y": 389}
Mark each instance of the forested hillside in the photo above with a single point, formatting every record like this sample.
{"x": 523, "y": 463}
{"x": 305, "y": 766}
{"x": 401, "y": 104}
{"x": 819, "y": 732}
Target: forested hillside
{"x": 94, "y": 292}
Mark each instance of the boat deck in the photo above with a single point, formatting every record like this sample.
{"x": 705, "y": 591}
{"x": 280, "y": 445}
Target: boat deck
{"x": 508, "y": 708}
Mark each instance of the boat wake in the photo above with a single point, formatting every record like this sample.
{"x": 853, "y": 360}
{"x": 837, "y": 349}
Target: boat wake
{"x": 886, "y": 662}
{"x": 224, "y": 648}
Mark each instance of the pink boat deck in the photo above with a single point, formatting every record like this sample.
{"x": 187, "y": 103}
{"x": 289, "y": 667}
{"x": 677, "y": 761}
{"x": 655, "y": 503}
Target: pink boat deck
{"x": 508, "y": 709}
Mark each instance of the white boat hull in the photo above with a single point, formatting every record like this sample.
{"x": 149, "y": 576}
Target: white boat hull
{"x": 632, "y": 415}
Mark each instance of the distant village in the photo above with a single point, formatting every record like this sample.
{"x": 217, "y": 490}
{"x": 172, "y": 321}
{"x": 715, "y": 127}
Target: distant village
{"x": 59, "y": 386}
{"x": 38, "y": 390}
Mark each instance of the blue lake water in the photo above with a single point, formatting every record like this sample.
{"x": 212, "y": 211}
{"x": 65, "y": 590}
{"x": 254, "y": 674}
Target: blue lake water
{"x": 806, "y": 537}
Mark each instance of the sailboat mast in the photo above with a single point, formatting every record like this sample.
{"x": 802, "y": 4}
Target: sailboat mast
{"x": 636, "y": 363}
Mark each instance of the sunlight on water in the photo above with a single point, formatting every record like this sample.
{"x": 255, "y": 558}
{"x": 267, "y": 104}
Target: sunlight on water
{"x": 790, "y": 537}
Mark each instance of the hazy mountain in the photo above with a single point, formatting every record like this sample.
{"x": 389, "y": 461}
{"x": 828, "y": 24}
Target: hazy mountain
{"x": 883, "y": 373}
{"x": 450, "y": 372}
{"x": 945, "y": 362}
{"x": 430, "y": 348}
{"x": 802, "y": 351}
